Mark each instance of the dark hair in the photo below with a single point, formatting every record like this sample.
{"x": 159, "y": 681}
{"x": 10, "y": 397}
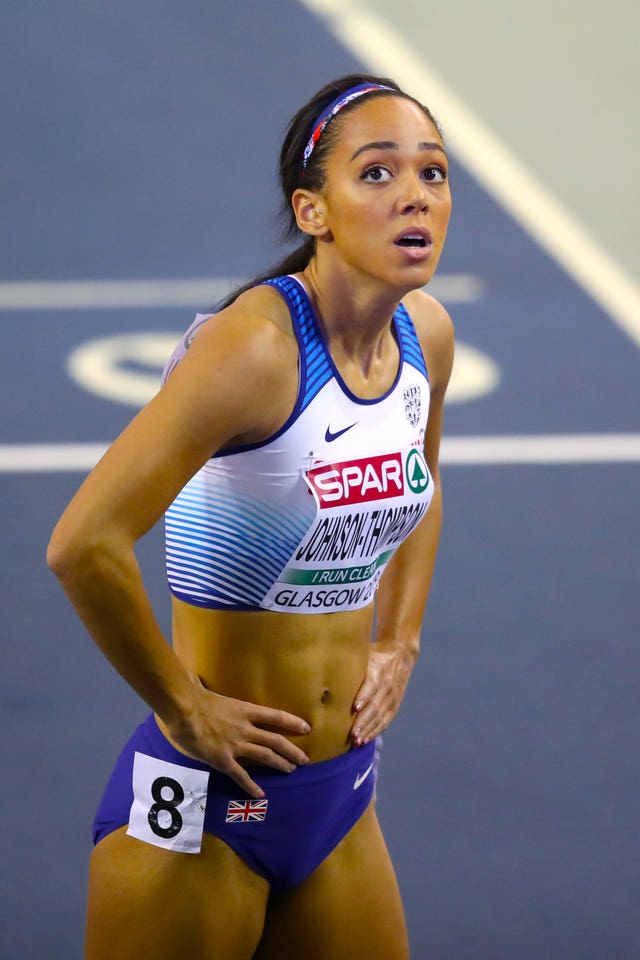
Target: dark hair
{"x": 293, "y": 175}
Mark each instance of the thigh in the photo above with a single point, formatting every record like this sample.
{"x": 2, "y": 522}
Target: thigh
{"x": 349, "y": 907}
{"x": 145, "y": 901}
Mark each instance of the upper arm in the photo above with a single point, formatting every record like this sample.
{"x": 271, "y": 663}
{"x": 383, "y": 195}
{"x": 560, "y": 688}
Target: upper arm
{"x": 237, "y": 383}
{"x": 435, "y": 332}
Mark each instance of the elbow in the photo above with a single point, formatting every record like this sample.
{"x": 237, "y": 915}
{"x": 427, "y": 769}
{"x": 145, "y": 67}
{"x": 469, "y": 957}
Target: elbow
{"x": 80, "y": 552}
{"x": 73, "y": 553}
{"x": 64, "y": 554}
{"x": 56, "y": 559}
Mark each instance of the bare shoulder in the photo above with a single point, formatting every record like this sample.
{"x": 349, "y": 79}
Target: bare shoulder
{"x": 266, "y": 303}
{"x": 255, "y": 323}
{"x": 242, "y": 363}
{"x": 436, "y": 334}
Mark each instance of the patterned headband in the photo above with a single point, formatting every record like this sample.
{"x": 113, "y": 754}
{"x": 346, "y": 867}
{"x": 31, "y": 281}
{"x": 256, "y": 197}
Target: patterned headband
{"x": 335, "y": 107}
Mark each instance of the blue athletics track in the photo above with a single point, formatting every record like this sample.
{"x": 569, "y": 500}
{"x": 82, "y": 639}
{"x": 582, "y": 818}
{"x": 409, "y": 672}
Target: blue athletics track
{"x": 138, "y": 180}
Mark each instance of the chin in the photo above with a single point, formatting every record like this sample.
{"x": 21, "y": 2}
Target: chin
{"x": 414, "y": 278}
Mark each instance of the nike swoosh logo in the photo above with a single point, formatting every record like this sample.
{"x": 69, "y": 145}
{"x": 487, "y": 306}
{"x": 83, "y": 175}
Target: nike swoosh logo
{"x": 329, "y": 436}
{"x": 360, "y": 779}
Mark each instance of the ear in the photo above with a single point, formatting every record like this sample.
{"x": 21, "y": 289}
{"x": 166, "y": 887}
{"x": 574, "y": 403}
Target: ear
{"x": 309, "y": 212}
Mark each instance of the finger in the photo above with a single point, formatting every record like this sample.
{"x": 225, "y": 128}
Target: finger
{"x": 240, "y": 776}
{"x": 363, "y": 736}
{"x": 367, "y": 704}
{"x": 265, "y": 757}
{"x": 269, "y": 717}
{"x": 374, "y": 718}
{"x": 279, "y": 745}
{"x": 377, "y": 725}
{"x": 370, "y": 691}
{"x": 361, "y": 721}
{"x": 364, "y": 694}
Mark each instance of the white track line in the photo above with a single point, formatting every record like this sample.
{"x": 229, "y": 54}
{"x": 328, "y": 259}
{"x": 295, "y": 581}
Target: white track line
{"x": 544, "y": 449}
{"x": 375, "y": 42}
{"x": 49, "y": 457}
{"x": 456, "y": 451}
{"x": 114, "y": 294}
{"x": 108, "y": 294}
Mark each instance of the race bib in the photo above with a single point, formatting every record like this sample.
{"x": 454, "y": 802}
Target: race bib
{"x": 365, "y": 508}
{"x": 169, "y": 803}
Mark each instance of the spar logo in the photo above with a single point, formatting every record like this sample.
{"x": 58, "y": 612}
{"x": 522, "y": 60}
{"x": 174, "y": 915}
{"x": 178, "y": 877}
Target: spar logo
{"x": 417, "y": 472}
{"x": 358, "y": 481}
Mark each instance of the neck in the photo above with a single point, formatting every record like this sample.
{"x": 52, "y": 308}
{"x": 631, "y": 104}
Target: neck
{"x": 355, "y": 312}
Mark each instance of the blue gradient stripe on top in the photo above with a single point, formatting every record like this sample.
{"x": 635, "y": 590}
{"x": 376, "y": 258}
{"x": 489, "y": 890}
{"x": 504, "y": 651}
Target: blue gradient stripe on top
{"x": 410, "y": 349}
{"x": 205, "y": 556}
{"x": 314, "y": 367}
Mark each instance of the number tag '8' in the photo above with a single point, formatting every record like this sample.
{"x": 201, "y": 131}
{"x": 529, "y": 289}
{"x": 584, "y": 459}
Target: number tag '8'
{"x": 169, "y": 803}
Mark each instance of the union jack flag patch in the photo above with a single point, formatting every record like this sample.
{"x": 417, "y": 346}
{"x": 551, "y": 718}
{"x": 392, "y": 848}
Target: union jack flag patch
{"x": 245, "y": 810}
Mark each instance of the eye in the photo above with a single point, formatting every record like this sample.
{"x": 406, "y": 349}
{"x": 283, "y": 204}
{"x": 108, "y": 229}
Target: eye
{"x": 434, "y": 174}
{"x": 375, "y": 174}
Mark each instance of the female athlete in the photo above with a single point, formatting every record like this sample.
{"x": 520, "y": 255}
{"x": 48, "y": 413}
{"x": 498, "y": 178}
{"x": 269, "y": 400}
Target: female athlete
{"x": 293, "y": 449}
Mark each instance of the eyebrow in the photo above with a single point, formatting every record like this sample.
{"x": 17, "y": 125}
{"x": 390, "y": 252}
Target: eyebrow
{"x": 392, "y": 145}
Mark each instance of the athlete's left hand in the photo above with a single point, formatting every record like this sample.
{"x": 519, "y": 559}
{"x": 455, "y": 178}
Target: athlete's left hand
{"x": 378, "y": 699}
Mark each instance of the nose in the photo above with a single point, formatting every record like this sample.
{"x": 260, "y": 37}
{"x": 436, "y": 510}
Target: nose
{"x": 414, "y": 197}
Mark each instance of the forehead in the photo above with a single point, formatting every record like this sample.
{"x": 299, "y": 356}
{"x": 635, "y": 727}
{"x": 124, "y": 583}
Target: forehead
{"x": 386, "y": 118}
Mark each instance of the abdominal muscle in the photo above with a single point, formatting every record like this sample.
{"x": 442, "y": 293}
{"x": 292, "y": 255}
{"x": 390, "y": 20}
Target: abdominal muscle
{"x": 309, "y": 665}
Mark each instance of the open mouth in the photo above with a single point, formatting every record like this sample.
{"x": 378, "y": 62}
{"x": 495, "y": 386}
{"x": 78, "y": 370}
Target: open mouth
{"x": 411, "y": 242}
{"x": 414, "y": 238}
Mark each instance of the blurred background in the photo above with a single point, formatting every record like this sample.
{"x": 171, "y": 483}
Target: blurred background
{"x": 139, "y": 146}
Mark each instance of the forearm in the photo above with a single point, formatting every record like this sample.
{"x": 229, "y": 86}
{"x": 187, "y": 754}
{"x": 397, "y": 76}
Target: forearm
{"x": 404, "y": 588}
{"x": 400, "y": 604}
{"x": 105, "y": 586}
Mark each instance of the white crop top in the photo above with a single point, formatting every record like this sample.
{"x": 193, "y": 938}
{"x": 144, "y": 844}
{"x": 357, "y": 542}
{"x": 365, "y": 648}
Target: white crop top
{"x": 306, "y": 521}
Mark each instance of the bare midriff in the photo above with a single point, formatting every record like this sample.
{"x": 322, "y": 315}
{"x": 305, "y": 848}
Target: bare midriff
{"x": 309, "y": 665}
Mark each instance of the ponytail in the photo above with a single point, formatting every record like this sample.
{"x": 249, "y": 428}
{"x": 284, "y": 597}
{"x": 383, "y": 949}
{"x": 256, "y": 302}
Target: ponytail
{"x": 295, "y": 262}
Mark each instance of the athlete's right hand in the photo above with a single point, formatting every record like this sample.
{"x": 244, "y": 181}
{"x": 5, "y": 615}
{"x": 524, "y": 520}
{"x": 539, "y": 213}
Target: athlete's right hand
{"x": 222, "y": 732}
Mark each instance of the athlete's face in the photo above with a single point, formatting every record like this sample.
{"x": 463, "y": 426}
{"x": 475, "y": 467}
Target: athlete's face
{"x": 386, "y": 198}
